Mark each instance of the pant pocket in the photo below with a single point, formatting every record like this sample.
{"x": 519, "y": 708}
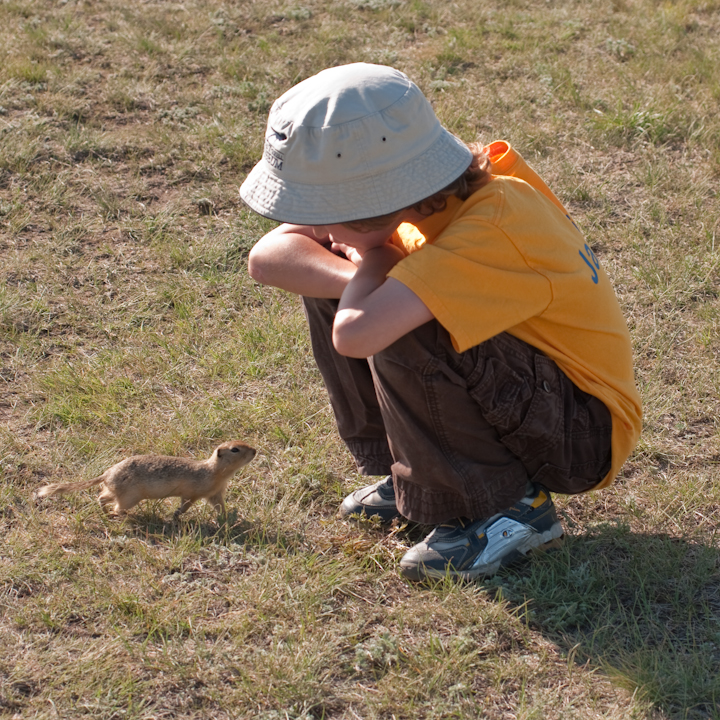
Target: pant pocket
{"x": 526, "y": 411}
{"x": 501, "y": 394}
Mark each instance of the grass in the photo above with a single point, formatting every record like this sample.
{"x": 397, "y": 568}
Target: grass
{"x": 128, "y": 324}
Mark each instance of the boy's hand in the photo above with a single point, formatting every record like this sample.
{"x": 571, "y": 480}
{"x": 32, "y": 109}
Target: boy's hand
{"x": 390, "y": 254}
{"x": 351, "y": 253}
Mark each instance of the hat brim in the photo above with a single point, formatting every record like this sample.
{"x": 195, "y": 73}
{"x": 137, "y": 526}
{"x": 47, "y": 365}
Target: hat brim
{"x": 362, "y": 197}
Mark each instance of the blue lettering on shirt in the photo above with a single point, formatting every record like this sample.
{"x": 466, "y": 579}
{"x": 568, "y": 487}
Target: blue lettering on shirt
{"x": 593, "y": 263}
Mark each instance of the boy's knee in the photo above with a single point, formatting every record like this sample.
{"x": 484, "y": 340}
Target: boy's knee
{"x": 412, "y": 352}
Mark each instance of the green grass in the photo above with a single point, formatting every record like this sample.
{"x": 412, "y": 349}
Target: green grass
{"x": 128, "y": 324}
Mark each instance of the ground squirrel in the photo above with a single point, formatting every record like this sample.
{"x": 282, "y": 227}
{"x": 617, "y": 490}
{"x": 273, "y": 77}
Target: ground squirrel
{"x": 144, "y": 477}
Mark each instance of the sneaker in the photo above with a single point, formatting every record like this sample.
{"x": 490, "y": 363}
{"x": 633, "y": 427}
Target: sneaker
{"x": 468, "y": 549}
{"x": 376, "y": 500}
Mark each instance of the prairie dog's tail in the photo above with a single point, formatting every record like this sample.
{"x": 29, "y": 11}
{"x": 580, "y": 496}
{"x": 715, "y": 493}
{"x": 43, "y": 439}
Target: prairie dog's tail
{"x": 61, "y": 488}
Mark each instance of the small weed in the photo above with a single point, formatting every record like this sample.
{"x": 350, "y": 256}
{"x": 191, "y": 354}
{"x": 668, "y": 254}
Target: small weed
{"x": 620, "y": 49}
{"x": 379, "y": 652}
{"x": 298, "y": 13}
{"x": 375, "y": 4}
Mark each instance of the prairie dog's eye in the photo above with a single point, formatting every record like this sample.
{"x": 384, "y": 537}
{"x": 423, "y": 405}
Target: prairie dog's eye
{"x": 236, "y": 449}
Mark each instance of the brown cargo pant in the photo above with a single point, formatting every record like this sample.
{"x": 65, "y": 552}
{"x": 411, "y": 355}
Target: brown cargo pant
{"x": 461, "y": 433}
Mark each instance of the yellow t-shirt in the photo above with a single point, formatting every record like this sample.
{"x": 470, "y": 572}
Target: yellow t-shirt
{"x": 509, "y": 258}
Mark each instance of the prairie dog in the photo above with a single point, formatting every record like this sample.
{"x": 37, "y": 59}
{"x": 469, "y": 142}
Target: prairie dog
{"x": 144, "y": 477}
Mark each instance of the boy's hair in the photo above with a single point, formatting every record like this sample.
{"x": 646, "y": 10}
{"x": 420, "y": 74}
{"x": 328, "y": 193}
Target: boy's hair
{"x": 475, "y": 176}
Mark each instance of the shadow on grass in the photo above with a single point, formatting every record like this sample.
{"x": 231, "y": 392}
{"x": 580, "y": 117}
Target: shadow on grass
{"x": 645, "y": 608}
{"x": 231, "y": 530}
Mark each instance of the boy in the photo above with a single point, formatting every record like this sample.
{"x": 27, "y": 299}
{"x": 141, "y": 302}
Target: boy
{"x": 472, "y": 346}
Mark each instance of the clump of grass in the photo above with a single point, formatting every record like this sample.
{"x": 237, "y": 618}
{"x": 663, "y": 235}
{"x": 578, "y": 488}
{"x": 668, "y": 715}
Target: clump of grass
{"x": 32, "y": 72}
{"x": 625, "y": 124}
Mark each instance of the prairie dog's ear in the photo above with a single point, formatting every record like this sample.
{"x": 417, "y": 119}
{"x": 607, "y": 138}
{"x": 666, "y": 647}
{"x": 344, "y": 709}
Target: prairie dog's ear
{"x": 219, "y": 452}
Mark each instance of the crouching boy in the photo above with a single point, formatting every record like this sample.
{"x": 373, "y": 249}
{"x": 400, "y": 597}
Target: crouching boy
{"x": 472, "y": 346}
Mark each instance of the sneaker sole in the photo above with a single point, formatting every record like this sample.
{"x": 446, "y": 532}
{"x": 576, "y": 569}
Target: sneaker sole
{"x": 538, "y": 543}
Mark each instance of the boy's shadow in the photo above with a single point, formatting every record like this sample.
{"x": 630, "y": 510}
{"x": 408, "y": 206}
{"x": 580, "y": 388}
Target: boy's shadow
{"x": 645, "y": 608}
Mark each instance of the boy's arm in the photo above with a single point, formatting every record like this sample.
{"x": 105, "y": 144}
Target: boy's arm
{"x": 291, "y": 258}
{"x": 375, "y": 310}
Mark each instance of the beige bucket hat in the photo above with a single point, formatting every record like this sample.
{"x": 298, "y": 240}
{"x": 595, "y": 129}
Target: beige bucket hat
{"x": 351, "y": 142}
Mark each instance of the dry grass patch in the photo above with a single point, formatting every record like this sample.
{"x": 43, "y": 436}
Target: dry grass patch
{"x": 128, "y": 324}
